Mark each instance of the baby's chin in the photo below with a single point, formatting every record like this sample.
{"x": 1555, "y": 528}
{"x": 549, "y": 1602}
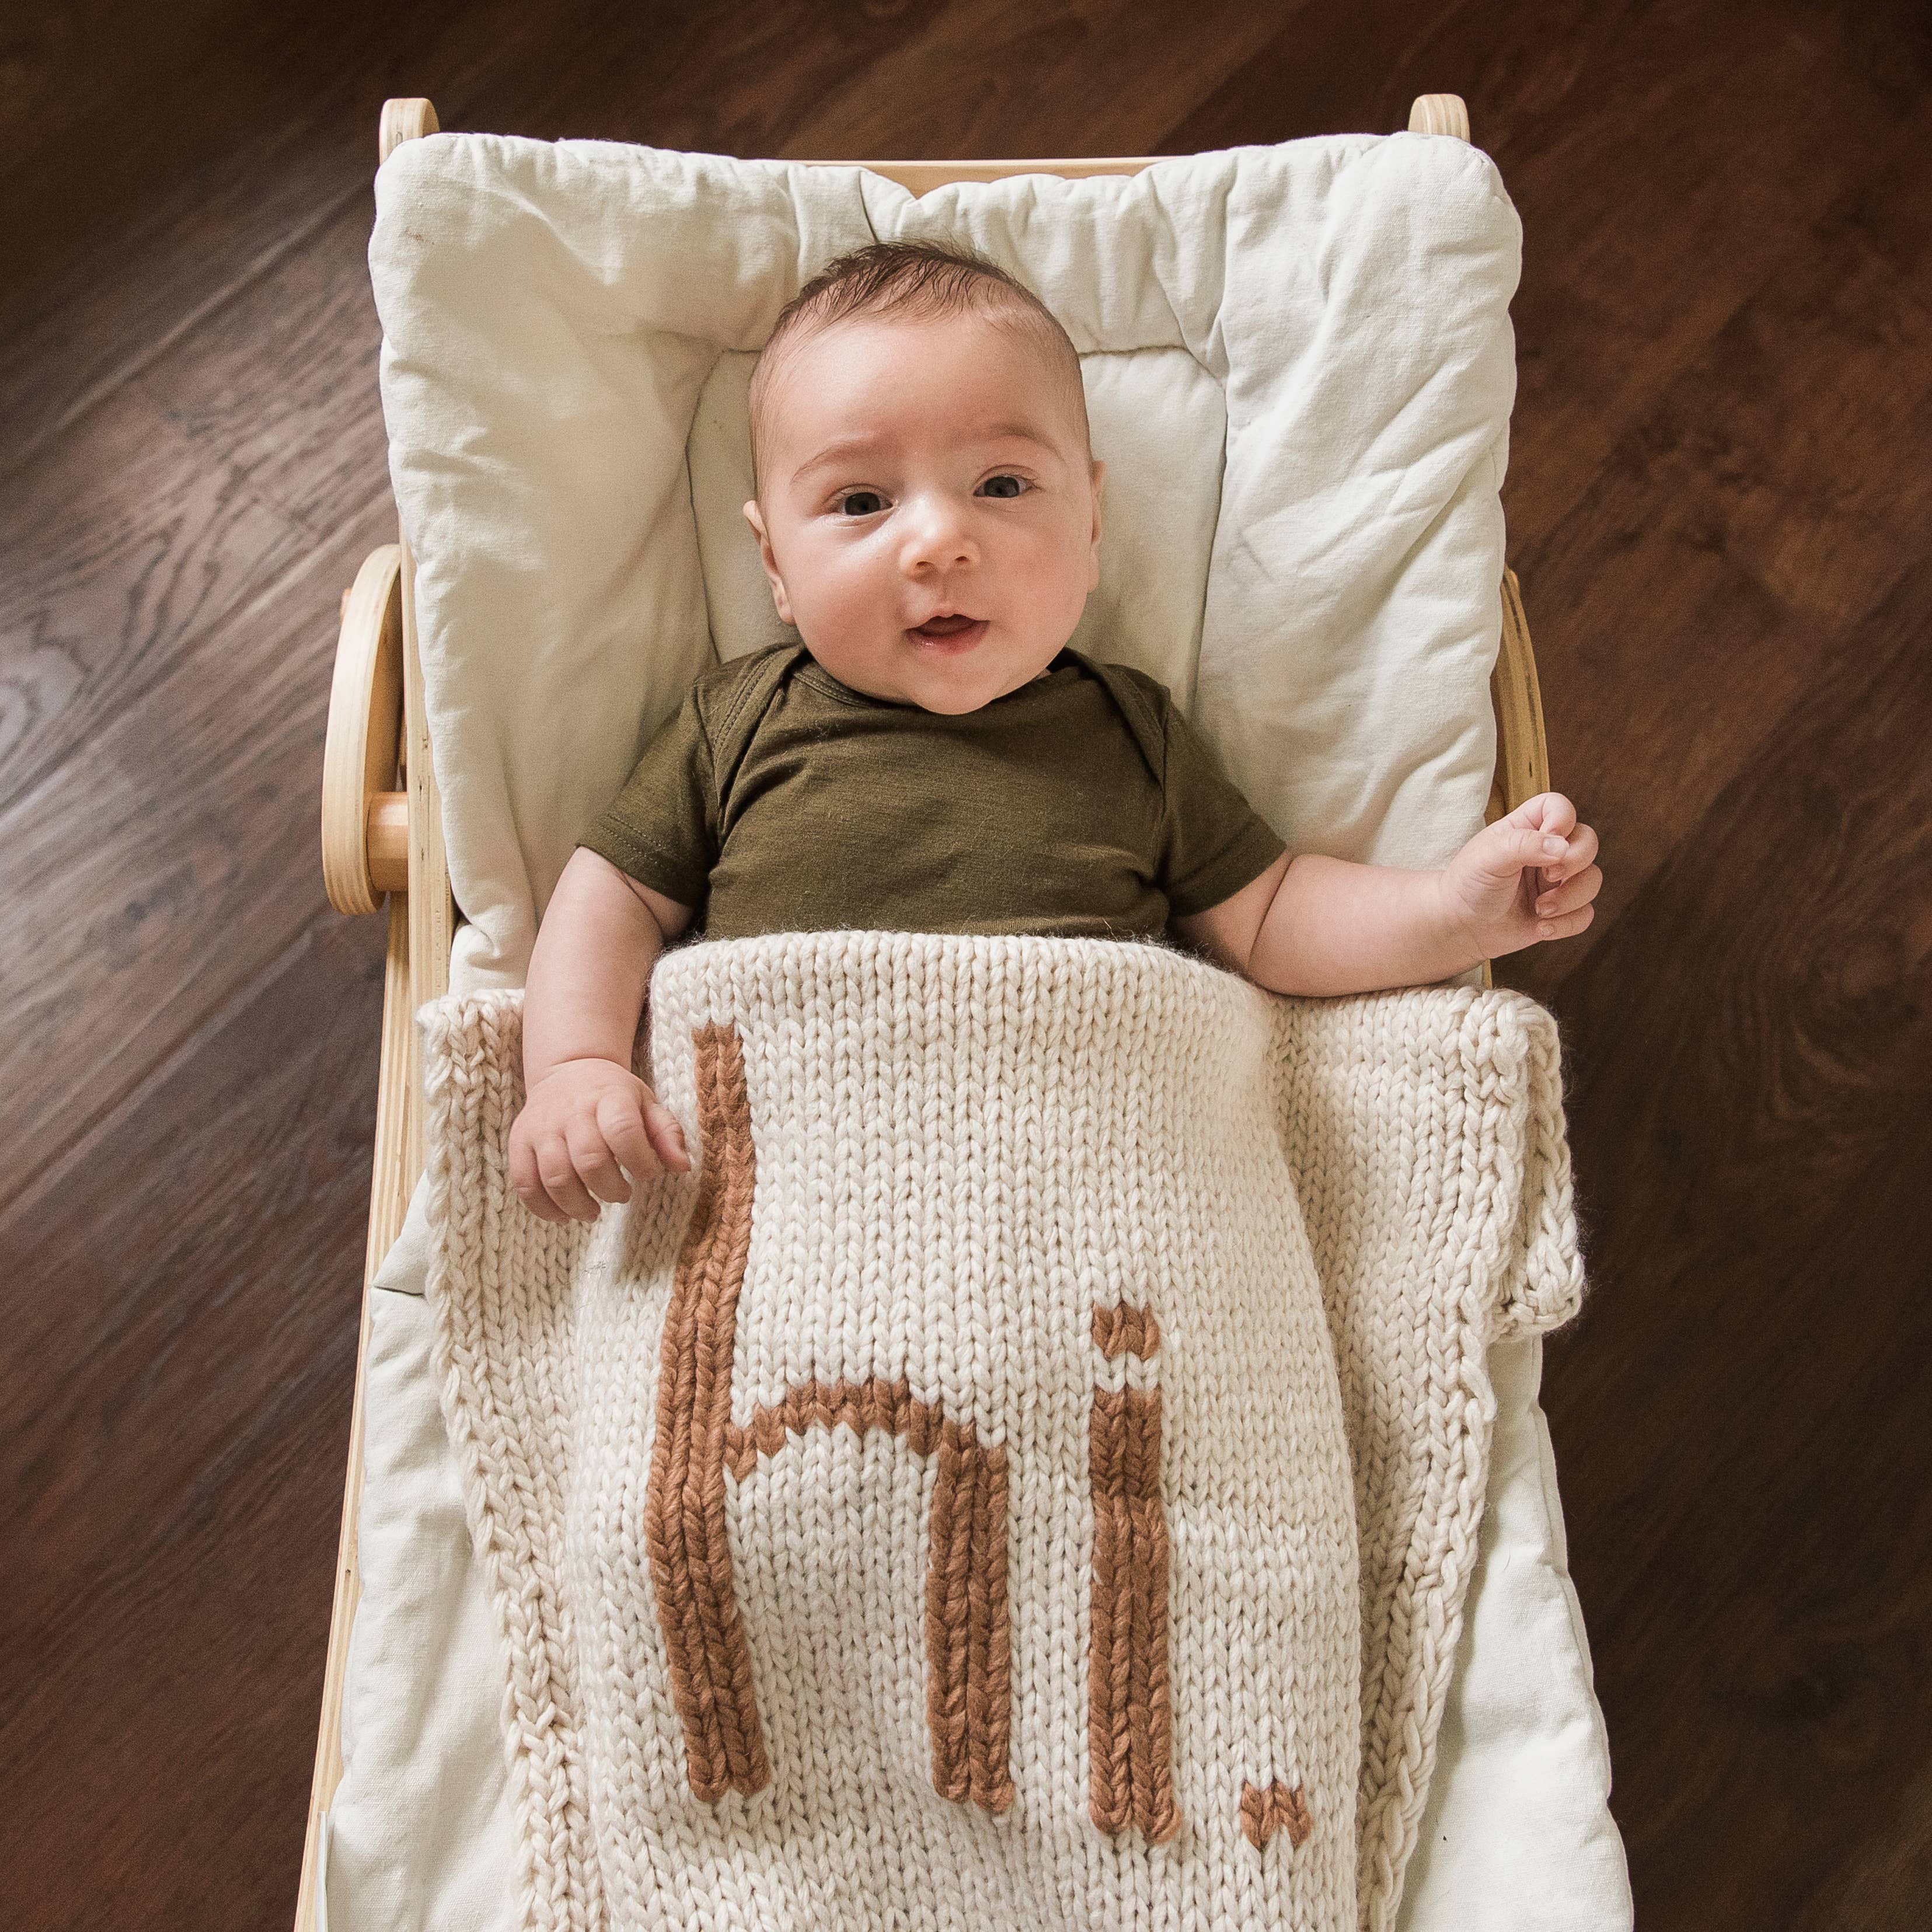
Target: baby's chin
{"x": 950, "y": 676}
{"x": 967, "y": 681}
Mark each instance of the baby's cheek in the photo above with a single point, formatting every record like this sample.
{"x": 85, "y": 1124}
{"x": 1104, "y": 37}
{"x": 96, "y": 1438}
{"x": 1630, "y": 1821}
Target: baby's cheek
{"x": 1058, "y": 578}
{"x": 848, "y": 593}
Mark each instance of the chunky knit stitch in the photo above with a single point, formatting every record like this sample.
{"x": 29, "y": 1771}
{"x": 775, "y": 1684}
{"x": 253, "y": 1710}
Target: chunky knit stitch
{"x": 938, "y": 1509}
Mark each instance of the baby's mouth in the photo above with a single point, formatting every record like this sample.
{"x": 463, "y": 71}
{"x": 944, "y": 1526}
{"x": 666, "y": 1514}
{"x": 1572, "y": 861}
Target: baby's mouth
{"x": 949, "y": 626}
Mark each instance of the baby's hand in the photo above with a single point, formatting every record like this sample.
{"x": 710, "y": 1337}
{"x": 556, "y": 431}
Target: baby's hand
{"x": 579, "y": 1122}
{"x": 1527, "y": 877}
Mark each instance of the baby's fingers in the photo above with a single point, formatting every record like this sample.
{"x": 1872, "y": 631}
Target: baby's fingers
{"x": 528, "y": 1183}
{"x": 1549, "y": 814}
{"x": 1501, "y": 851}
{"x": 557, "y": 1169}
{"x": 596, "y": 1166}
{"x": 666, "y": 1135}
{"x": 1573, "y": 893}
{"x": 1565, "y": 926}
{"x": 623, "y": 1127}
{"x": 1578, "y": 854}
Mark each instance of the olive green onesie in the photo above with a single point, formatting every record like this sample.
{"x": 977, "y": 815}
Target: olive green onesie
{"x": 1082, "y": 804}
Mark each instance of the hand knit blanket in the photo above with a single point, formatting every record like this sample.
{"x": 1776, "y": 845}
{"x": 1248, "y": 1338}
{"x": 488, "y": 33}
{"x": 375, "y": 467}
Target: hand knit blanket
{"x": 1027, "y": 1474}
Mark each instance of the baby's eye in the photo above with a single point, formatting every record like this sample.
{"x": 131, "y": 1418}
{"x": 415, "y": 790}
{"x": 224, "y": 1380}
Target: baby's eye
{"x": 1003, "y": 486}
{"x": 861, "y": 503}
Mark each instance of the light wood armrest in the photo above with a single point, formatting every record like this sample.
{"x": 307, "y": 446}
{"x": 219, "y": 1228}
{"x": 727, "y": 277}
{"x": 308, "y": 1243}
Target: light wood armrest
{"x": 1523, "y": 754}
{"x": 1439, "y": 114}
{"x": 405, "y": 119}
{"x": 365, "y": 721}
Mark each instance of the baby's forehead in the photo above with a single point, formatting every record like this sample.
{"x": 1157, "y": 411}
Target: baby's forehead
{"x": 1040, "y": 373}
{"x": 952, "y": 334}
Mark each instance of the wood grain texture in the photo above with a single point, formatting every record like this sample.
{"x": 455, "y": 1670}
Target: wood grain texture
{"x": 1753, "y": 1168}
{"x": 1720, "y": 512}
{"x": 181, "y": 1295}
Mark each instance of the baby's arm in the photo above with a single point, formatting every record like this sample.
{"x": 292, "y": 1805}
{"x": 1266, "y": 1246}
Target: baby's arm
{"x": 585, "y": 1111}
{"x": 1312, "y": 925}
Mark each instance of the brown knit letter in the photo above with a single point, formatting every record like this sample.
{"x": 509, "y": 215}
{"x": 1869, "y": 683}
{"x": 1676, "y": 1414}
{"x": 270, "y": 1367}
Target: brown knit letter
{"x": 684, "y": 1525}
{"x": 967, "y": 1696}
{"x": 1130, "y": 1739}
{"x": 1263, "y": 1813}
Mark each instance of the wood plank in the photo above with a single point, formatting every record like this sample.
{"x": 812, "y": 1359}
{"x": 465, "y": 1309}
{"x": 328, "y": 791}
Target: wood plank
{"x": 279, "y": 383}
{"x": 121, "y": 552}
{"x": 1739, "y": 1416}
{"x": 235, "y": 134}
{"x": 1657, "y": 194}
{"x": 180, "y": 1300}
{"x": 1028, "y": 79}
{"x": 161, "y": 844}
{"x": 1714, "y": 576}
{"x": 234, "y": 143}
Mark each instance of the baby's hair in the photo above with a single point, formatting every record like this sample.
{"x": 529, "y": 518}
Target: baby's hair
{"x": 918, "y": 278}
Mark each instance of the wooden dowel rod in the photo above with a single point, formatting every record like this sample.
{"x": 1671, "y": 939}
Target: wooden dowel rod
{"x": 389, "y": 835}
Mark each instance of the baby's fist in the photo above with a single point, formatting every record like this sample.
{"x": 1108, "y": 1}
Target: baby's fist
{"x": 1528, "y": 877}
{"x": 581, "y": 1120}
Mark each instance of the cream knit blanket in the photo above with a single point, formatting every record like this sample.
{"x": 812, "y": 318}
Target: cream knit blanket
{"x": 1027, "y": 1474}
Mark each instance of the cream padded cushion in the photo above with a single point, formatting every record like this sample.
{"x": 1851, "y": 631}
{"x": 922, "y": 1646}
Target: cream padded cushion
{"x": 1300, "y": 366}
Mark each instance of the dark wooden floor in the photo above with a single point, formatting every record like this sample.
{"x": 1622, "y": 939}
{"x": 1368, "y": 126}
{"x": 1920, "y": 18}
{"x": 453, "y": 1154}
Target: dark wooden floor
{"x": 1721, "y": 509}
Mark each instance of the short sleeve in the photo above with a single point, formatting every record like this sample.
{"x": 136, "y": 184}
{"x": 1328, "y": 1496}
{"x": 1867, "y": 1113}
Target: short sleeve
{"x": 662, "y": 828}
{"x": 1213, "y": 842}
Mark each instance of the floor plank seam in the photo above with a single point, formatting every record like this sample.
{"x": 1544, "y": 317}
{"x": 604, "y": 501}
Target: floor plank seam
{"x": 29, "y": 1180}
{"x": 131, "y": 371}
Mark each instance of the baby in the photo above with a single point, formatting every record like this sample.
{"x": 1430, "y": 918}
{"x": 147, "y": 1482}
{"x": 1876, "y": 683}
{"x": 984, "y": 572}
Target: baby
{"x": 933, "y": 757}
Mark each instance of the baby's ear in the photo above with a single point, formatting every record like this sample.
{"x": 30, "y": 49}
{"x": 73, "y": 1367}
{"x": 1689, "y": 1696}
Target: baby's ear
{"x": 755, "y": 517}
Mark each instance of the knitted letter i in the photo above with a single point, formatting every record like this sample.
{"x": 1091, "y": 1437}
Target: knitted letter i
{"x": 1128, "y": 1727}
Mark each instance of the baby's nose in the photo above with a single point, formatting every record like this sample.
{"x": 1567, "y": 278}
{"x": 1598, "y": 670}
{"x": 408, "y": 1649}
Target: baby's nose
{"x": 937, "y": 539}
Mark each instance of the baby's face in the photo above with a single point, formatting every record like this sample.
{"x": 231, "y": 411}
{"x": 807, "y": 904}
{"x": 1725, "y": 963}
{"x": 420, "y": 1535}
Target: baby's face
{"x": 914, "y": 473}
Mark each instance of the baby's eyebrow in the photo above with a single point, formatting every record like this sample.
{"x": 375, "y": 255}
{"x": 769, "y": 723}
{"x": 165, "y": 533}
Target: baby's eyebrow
{"x": 835, "y": 452}
{"x": 1018, "y": 432}
{"x": 858, "y": 446}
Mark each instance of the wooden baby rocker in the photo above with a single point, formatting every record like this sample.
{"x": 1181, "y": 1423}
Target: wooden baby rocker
{"x": 382, "y": 836}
